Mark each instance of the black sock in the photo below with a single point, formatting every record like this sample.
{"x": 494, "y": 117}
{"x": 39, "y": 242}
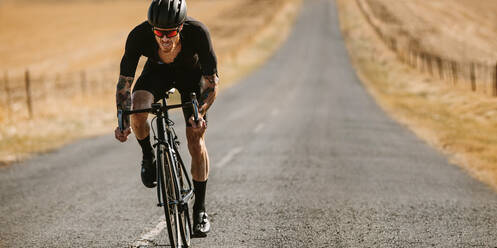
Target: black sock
{"x": 147, "y": 150}
{"x": 199, "y": 187}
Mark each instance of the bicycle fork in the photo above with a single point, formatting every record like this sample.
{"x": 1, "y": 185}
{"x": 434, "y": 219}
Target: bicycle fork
{"x": 169, "y": 158}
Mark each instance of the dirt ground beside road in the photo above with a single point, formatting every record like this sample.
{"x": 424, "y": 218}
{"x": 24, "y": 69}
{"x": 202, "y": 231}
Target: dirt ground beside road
{"x": 459, "y": 123}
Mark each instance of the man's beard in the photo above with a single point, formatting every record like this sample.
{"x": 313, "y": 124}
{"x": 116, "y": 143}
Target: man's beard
{"x": 167, "y": 46}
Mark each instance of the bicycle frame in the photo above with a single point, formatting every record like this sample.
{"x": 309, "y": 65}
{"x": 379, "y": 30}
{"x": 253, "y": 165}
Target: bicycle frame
{"x": 167, "y": 141}
{"x": 173, "y": 193}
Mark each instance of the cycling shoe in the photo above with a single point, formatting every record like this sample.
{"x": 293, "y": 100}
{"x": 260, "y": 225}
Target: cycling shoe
{"x": 148, "y": 172}
{"x": 201, "y": 225}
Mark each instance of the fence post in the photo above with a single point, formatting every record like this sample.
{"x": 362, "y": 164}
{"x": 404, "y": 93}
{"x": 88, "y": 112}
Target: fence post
{"x": 56, "y": 83}
{"x": 428, "y": 59}
{"x": 415, "y": 58}
{"x": 408, "y": 56}
{"x": 28, "y": 95}
{"x": 440, "y": 68}
{"x": 423, "y": 62}
{"x": 394, "y": 45}
{"x": 419, "y": 60}
{"x": 472, "y": 76}
{"x": 494, "y": 86}
{"x": 83, "y": 82}
{"x": 7, "y": 92}
{"x": 56, "y": 80}
{"x": 454, "y": 72}
{"x": 411, "y": 57}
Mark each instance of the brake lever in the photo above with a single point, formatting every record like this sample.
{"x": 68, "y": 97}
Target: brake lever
{"x": 195, "y": 107}
{"x": 120, "y": 120}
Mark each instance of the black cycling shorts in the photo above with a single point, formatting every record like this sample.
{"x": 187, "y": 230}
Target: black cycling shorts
{"x": 159, "y": 78}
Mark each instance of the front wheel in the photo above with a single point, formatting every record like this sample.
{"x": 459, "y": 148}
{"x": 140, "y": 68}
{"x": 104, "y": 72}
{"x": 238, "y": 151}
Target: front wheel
{"x": 185, "y": 188}
{"x": 185, "y": 226}
{"x": 169, "y": 198}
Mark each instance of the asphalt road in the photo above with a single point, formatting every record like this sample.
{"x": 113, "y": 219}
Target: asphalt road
{"x": 301, "y": 157}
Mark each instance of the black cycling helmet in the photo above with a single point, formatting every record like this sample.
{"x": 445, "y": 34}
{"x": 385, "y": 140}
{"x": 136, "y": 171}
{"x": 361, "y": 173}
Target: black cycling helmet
{"x": 167, "y": 13}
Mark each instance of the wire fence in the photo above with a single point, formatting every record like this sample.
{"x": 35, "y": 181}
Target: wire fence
{"x": 32, "y": 92}
{"x": 471, "y": 75}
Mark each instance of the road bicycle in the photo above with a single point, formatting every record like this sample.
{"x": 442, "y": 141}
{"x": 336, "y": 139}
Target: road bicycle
{"x": 174, "y": 189}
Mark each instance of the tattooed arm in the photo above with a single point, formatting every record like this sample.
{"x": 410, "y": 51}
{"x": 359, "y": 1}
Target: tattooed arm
{"x": 209, "y": 92}
{"x": 123, "y": 102}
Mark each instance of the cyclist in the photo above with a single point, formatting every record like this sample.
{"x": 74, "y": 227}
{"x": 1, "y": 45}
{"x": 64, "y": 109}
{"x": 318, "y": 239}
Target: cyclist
{"x": 180, "y": 55}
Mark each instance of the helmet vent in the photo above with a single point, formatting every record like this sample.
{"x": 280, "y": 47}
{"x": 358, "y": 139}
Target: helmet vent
{"x": 179, "y": 10}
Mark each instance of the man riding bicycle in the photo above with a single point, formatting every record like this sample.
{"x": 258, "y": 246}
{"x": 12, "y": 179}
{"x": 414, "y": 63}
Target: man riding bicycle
{"x": 180, "y": 55}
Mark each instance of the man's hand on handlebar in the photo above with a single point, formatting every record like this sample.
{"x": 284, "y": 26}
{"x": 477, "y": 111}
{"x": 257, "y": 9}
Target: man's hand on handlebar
{"x": 201, "y": 125}
{"x": 122, "y": 135}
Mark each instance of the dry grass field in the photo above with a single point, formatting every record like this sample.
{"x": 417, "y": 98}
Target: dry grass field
{"x": 72, "y": 50}
{"x": 456, "y": 46}
{"x": 461, "y": 124}
{"x": 460, "y": 29}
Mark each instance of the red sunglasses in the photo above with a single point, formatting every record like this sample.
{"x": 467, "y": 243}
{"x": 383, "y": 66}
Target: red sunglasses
{"x": 167, "y": 33}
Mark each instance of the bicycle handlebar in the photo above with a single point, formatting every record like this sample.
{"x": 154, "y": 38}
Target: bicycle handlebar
{"x": 156, "y": 108}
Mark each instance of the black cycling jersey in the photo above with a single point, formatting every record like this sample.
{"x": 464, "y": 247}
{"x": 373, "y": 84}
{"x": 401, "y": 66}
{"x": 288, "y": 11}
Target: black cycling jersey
{"x": 196, "y": 52}
{"x": 195, "y": 59}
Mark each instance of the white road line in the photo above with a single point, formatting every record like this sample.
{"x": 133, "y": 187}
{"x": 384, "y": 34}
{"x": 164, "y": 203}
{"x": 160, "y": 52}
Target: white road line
{"x": 147, "y": 238}
{"x": 258, "y": 128}
{"x": 229, "y": 156}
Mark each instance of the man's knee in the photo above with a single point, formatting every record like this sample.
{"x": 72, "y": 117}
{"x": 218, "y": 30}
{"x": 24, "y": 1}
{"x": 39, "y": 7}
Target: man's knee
{"x": 139, "y": 121}
{"x": 142, "y": 99}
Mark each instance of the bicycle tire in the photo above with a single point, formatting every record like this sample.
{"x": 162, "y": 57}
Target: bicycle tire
{"x": 168, "y": 193}
{"x": 185, "y": 224}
